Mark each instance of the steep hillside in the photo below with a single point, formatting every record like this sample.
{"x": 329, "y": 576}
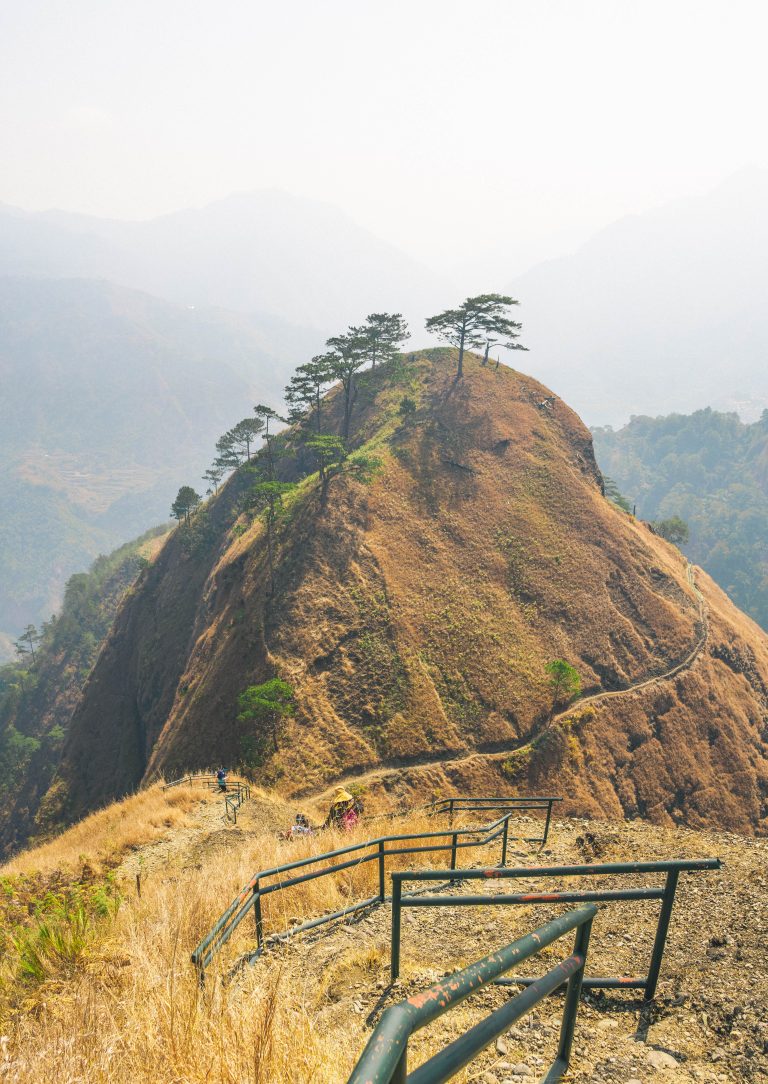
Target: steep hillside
{"x": 38, "y": 695}
{"x": 111, "y": 400}
{"x": 712, "y": 470}
{"x": 414, "y": 618}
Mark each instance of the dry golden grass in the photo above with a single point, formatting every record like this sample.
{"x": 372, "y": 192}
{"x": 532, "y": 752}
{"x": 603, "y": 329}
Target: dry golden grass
{"x": 104, "y": 837}
{"x": 127, "y": 1005}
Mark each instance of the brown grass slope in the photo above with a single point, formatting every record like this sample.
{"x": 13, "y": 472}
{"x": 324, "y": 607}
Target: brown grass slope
{"x": 414, "y": 618}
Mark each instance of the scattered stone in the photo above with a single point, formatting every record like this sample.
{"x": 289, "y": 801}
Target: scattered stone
{"x": 502, "y": 1047}
{"x": 659, "y": 1059}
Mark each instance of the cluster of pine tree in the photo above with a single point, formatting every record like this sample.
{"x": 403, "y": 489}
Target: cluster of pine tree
{"x": 482, "y": 322}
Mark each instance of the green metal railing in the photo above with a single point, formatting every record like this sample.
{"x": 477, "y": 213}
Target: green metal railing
{"x": 384, "y": 1060}
{"x": 232, "y": 802}
{"x": 205, "y": 779}
{"x": 672, "y": 870}
{"x": 451, "y": 806}
{"x": 268, "y": 881}
{"x": 236, "y": 791}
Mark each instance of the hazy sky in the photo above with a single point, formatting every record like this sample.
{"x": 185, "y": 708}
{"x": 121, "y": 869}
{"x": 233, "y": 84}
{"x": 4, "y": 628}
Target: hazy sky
{"x": 449, "y": 128}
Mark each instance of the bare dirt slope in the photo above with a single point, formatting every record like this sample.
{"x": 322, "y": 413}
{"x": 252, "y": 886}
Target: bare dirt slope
{"x": 414, "y": 617}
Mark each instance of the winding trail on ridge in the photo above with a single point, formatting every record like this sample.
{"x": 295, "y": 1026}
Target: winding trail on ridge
{"x": 448, "y": 758}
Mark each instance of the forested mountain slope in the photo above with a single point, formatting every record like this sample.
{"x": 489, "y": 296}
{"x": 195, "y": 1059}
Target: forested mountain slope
{"x": 414, "y": 617}
{"x": 110, "y": 400}
{"x": 712, "y": 470}
{"x": 39, "y": 690}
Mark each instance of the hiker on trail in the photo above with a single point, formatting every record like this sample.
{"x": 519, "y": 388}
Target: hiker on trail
{"x": 344, "y": 812}
{"x": 301, "y": 826}
{"x": 221, "y": 778}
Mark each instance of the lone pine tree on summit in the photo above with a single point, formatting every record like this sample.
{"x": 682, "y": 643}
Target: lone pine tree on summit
{"x": 476, "y": 321}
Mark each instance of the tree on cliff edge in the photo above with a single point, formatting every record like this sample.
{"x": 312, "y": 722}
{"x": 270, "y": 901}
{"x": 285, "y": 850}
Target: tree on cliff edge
{"x": 475, "y": 321}
{"x": 185, "y": 504}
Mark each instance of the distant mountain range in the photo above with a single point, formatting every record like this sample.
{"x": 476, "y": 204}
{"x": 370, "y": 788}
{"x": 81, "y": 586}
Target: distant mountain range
{"x": 265, "y": 252}
{"x": 110, "y": 400}
{"x": 662, "y": 311}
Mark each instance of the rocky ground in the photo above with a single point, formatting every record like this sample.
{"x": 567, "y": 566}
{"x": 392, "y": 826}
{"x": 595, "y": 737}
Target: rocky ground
{"x": 710, "y": 1019}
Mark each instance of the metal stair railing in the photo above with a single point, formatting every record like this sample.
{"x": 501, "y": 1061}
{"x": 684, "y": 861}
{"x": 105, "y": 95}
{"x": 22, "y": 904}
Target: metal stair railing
{"x": 672, "y": 869}
{"x": 377, "y": 849}
{"x": 384, "y": 1060}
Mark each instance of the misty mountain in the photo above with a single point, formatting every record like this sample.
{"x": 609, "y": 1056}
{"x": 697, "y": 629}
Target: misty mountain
{"x": 266, "y": 251}
{"x": 663, "y": 311}
{"x": 110, "y": 400}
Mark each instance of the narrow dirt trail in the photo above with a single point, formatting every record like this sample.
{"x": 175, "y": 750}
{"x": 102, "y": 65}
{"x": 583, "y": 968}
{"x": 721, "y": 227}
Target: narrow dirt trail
{"x": 448, "y": 758}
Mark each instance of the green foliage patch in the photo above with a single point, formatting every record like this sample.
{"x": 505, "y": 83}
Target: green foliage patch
{"x": 709, "y": 470}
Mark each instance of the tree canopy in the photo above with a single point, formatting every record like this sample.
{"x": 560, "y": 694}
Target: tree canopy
{"x": 673, "y": 529}
{"x": 268, "y": 704}
{"x": 477, "y": 320}
{"x": 348, "y": 354}
{"x": 234, "y": 447}
{"x": 306, "y": 388}
{"x": 382, "y": 334}
{"x": 187, "y": 500}
{"x": 564, "y": 682}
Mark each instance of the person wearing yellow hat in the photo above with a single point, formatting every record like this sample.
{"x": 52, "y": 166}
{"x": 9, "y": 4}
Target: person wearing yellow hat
{"x": 342, "y": 813}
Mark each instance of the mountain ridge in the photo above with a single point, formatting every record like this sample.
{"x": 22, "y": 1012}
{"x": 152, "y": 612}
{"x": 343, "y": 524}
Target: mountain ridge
{"x": 414, "y": 617}
{"x": 262, "y": 251}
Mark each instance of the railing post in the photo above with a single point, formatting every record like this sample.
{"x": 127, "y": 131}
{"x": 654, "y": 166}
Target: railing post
{"x": 572, "y": 995}
{"x": 394, "y": 956}
{"x": 454, "y": 841}
{"x": 667, "y": 903}
{"x": 259, "y": 918}
{"x": 382, "y": 882}
{"x": 450, "y": 813}
{"x": 546, "y": 823}
{"x": 504, "y": 840}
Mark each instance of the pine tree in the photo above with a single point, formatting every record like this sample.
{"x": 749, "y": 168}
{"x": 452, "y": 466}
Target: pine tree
{"x": 347, "y": 356}
{"x": 187, "y": 500}
{"x": 306, "y": 388}
{"x": 26, "y": 643}
{"x": 382, "y": 334}
{"x": 474, "y": 321}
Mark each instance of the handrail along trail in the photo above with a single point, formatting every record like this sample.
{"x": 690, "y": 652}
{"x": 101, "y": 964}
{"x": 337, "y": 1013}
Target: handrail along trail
{"x": 376, "y": 849}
